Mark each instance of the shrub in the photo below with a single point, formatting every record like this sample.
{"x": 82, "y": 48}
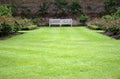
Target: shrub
{"x": 117, "y": 14}
{"x": 7, "y": 19}
{"x": 25, "y": 11}
{"x": 14, "y": 8}
{"x": 107, "y": 18}
{"x": 110, "y": 6}
{"x": 29, "y": 27}
{"x": 112, "y": 23}
{"x": 94, "y": 27}
{"x": 25, "y": 22}
{"x": 89, "y": 7}
{"x": 43, "y": 8}
{"x": 62, "y": 6}
{"x": 36, "y": 21}
{"x": 47, "y": 24}
{"x": 75, "y": 7}
{"x": 105, "y": 21}
{"x": 97, "y": 22}
{"x": 6, "y": 25}
{"x": 6, "y": 28}
{"x": 61, "y": 3}
{"x": 17, "y": 26}
{"x": 83, "y": 19}
{"x": 5, "y": 11}
{"x": 115, "y": 30}
{"x": 112, "y": 27}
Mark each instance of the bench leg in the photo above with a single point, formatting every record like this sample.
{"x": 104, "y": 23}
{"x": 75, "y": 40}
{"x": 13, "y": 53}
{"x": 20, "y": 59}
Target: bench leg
{"x": 60, "y": 25}
{"x": 49, "y": 25}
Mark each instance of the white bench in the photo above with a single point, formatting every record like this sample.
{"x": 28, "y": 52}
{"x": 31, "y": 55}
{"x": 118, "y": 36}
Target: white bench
{"x": 60, "y": 22}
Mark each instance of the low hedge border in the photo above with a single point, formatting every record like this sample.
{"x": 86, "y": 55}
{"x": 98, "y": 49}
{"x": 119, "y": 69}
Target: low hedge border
{"x": 94, "y": 27}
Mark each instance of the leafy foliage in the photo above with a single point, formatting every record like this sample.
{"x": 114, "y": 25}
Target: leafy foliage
{"x": 115, "y": 30}
{"x": 43, "y": 8}
{"x": 110, "y": 6}
{"x": 17, "y": 26}
{"x": 83, "y": 19}
{"x": 6, "y": 28}
{"x": 75, "y": 7}
{"x": 62, "y": 6}
{"x": 15, "y": 7}
{"x": 94, "y": 27}
{"x": 61, "y": 3}
{"x": 107, "y": 18}
{"x": 24, "y": 22}
{"x": 25, "y": 11}
{"x": 5, "y": 11}
{"x": 117, "y": 14}
{"x": 36, "y": 20}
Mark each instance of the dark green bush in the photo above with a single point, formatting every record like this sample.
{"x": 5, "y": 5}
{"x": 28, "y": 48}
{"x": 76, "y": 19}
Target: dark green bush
{"x": 75, "y": 7}
{"x": 107, "y": 18}
{"x": 5, "y": 11}
{"x": 43, "y": 8}
{"x": 89, "y": 7}
{"x": 17, "y": 26}
{"x": 25, "y": 11}
{"x": 47, "y": 24}
{"x": 6, "y": 28}
{"x": 61, "y": 3}
{"x": 36, "y": 21}
{"x": 117, "y": 14}
{"x": 14, "y": 8}
{"x": 110, "y": 6}
{"x": 61, "y": 6}
{"x": 83, "y": 19}
{"x": 115, "y": 30}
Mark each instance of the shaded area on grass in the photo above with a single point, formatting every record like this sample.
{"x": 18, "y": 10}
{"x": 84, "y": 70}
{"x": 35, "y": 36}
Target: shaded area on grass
{"x": 10, "y": 35}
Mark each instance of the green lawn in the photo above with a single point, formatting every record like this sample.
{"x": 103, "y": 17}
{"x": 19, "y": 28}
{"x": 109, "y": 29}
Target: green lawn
{"x": 60, "y": 53}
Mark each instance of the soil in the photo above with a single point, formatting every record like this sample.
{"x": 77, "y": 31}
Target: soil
{"x": 9, "y": 36}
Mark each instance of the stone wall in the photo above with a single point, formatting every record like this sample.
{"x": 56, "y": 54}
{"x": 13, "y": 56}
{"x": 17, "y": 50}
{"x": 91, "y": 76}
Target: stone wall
{"x": 39, "y": 1}
{"x": 97, "y": 6}
{"x": 86, "y": 1}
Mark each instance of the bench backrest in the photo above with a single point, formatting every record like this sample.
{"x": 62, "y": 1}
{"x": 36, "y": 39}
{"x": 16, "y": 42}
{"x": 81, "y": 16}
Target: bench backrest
{"x": 60, "y": 21}
{"x": 66, "y": 21}
{"x": 54, "y": 21}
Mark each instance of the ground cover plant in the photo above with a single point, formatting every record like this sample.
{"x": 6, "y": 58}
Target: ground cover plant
{"x": 60, "y": 53}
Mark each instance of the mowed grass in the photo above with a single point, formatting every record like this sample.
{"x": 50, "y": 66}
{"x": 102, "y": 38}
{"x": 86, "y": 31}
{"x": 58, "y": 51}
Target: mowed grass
{"x": 60, "y": 53}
